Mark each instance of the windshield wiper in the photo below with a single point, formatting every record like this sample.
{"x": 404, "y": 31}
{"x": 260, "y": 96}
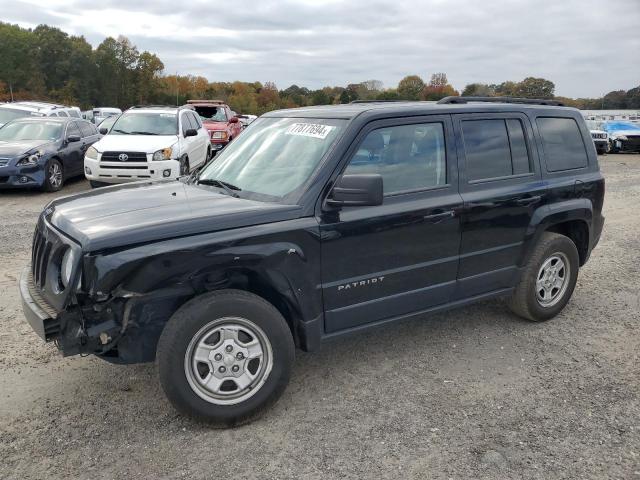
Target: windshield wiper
{"x": 121, "y": 131}
{"x": 144, "y": 133}
{"x": 229, "y": 188}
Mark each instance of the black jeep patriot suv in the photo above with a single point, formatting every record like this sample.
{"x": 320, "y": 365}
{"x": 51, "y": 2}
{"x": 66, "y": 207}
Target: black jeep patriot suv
{"x": 318, "y": 222}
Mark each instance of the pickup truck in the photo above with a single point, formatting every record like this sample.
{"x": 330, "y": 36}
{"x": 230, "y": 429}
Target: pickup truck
{"x": 316, "y": 223}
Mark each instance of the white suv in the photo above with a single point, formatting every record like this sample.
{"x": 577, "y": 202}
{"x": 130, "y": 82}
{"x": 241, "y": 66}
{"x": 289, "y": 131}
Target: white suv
{"x": 148, "y": 143}
{"x": 11, "y": 111}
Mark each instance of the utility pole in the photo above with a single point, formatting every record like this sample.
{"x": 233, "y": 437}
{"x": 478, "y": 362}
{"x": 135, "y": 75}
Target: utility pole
{"x": 177, "y": 86}
{"x": 11, "y": 90}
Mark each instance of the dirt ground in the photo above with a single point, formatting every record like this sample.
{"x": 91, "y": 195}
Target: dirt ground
{"x": 473, "y": 393}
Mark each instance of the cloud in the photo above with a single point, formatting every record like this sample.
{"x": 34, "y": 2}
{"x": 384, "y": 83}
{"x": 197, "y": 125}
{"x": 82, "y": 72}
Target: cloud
{"x": 587, "y": 47}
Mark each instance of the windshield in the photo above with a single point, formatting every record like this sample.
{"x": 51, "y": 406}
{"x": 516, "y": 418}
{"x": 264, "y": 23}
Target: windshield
{"x": 615, "y": 126}
{"x": 211, "y": 114}
{"x": 594, "y": 125}
{"x": 31, "y": 131}
{"x": 275, "y": 157}
{"x": 145, "y": 124}
{"x": 8, "y": 114}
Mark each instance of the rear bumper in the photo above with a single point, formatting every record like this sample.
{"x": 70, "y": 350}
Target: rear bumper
{"x": 37, "y": 313}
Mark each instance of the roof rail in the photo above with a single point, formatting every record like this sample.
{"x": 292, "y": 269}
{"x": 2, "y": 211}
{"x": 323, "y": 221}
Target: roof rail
{"x": 215, "y": 102}
{"x": 152, "y": 106}
{"x": 378, "y": 101}
{"x": 528, "y": 101}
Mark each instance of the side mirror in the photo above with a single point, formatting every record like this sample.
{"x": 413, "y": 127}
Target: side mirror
{"x": 234, "y": 120}
{"x": 357, "y": 190}
{"x": 73, "y": 138}
{"x": 103, "y": 130}
{"x": 192, "y": 132}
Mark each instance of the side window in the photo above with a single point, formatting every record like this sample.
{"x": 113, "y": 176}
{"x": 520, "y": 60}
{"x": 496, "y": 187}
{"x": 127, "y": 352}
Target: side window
{"x": 74, "y": 113}
{"x": 495, "y": 148}
{"x": 62, "y": 113}
{"x": 86, "y": 128}
{"x": 72, "y": 129}
{"x": 195, "y": 121}
{"x": 408, "y": 157}
{"x": 186, "y": 123}
{"x": 563, "y": 145}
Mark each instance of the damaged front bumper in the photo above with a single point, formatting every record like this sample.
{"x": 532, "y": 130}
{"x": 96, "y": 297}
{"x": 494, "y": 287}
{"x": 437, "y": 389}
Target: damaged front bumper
{"x": 66, "y": 328}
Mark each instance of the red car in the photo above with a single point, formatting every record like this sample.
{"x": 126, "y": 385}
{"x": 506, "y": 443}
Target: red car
{"x": 219, "y": 120}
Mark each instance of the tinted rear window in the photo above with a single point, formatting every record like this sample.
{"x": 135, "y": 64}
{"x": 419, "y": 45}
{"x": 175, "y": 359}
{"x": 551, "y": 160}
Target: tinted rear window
{"x": 486, "y": 146}
{"x": 563, "y": 145}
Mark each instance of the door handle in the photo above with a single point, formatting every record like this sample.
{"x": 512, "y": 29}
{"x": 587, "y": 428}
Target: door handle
{"x": 437, "y": 217}
{"x": 529, "y": 200}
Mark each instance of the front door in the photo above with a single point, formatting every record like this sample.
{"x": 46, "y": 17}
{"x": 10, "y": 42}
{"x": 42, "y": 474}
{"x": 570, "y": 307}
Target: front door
{"x": 401, "y": 257}
{"x": 501, "y": 186}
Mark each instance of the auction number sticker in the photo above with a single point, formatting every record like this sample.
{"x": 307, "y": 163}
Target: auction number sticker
{"x": 315, "y": 130}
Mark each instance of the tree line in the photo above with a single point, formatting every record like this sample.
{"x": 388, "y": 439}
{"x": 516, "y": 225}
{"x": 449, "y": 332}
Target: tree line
{"x": 46, "y": 63}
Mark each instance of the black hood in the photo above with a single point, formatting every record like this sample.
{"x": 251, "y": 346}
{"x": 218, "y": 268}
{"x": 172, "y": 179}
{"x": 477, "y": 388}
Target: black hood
{"x": 142, "y": 212}
{"x": 20, "y": 147}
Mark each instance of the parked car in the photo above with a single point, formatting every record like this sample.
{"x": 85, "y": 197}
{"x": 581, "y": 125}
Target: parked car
{"x": 101, "y": 113}
{"x": 245, "y": 120}
{"x": 43, "y": 152}
{"x": 148, "y": 143}
{"x": 219, "y": 120}
{"x": 623, "y": 136}
{"x": 318, "y": 222}
{"x": 599, "y": 136}
{"x": 11, "y": 111}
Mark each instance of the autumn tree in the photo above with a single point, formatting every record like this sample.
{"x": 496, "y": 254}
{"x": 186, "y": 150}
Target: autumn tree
{"x": 410, "y": 87}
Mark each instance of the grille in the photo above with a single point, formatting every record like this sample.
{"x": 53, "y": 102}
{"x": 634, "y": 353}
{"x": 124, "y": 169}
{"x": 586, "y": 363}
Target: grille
{"x": 4, "y": 162}
{"x": 599, "y": 135}
{"x": 132, "y": 157}
{"x": 124, "y": 167}
{"x": 39, "y": 258}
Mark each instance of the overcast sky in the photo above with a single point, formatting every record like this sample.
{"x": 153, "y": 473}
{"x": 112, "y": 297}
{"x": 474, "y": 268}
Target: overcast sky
{"x": 587, "y": 47}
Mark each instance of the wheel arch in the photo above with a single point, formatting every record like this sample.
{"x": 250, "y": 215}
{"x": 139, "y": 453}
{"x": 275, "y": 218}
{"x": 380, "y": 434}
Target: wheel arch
{"x": 572, "y": 218}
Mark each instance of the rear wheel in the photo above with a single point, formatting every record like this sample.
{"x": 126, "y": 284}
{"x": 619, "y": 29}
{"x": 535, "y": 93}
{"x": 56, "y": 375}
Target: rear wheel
{"x": 548, "y": 280}
{"x": 54, "y": 176}
{"x": 225, "y": 356}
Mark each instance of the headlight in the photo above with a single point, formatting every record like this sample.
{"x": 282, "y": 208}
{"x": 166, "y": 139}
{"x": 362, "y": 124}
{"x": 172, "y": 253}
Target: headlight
{"x": 66, "y": 267}
{"x": 92, "y": 154}
{"x": 29, "y": 160}
{"x": 164, "y": 154}
{"x": 218, "y": 135}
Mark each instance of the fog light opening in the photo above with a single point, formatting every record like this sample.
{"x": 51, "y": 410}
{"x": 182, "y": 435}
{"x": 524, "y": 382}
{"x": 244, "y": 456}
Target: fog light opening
{"x": 166, "y": 173}
{"x": 87, "y": 170}
{"x": 24, "y": 179}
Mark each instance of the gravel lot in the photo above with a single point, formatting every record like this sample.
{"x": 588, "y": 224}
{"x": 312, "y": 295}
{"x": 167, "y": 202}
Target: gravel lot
{"x": 473, "y": 393}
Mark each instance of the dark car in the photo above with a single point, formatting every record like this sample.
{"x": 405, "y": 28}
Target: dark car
{"x": 43, "y": 152}
{"x": 315, "y": 223}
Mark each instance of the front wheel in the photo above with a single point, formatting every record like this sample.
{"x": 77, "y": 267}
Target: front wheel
{"x": 224, "y": 356}
{"x": 548, "y": 280}
{"x": 53, "y": 176}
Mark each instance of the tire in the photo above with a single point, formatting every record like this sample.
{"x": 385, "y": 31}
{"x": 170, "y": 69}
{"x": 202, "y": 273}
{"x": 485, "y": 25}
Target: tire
{"x": 184, "y": 167}
{"x": 229, "y": 321}
{"x": 553, "y": 253}
{"x": 95, "y": 184}
{"x": 53, "y": 176}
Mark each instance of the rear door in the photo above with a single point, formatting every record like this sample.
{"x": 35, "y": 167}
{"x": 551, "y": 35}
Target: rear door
{"x": 501, "y": 185}
{"x": 401, "y": 257}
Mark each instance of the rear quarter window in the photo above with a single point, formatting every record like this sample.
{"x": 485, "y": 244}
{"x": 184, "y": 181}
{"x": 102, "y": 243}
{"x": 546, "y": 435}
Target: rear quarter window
{"x": 563, "y": 145}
